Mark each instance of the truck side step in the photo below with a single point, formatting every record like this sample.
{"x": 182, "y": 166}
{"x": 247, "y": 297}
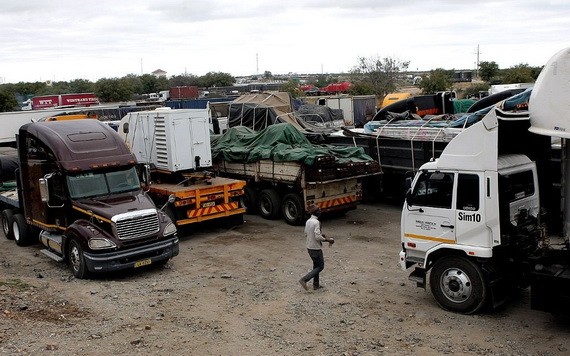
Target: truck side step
{"x": 418, "y": 276}
{"x": 52, "y": 255}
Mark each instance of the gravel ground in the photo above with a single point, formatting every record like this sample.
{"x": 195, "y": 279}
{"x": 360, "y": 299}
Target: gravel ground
{"x": 236, "y": 292}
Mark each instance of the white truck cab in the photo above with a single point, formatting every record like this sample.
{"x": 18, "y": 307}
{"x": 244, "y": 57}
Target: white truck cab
{"x": 472, "y": 217}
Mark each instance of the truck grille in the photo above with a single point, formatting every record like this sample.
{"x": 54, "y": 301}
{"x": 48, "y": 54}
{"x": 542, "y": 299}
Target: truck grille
{"x": 135, "y": 224}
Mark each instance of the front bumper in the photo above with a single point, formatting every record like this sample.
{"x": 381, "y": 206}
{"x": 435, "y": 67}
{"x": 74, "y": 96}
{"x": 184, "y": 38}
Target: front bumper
{"x": 132, "y": 258}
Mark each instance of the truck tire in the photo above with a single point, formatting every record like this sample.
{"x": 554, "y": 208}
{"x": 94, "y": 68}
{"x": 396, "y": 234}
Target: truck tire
{"x": 249, "y": 200}
{"x": 7, "y": 222}
{"x": 293, "y": 209}
{"x": 458, "y": 285}
{"x": 269, "y": 204}
{"x": 21, "y": 231}
{"x": 76, "y": 260}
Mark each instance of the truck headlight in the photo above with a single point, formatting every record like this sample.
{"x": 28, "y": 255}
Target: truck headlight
{"x": 101, "y": 244}
{"x": 170, "y": 229}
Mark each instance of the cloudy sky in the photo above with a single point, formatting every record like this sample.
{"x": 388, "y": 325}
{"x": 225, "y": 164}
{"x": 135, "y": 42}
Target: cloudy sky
{"x": 65, "y": 40}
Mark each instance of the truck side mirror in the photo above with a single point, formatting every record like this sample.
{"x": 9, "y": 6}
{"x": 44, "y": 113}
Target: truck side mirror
{"x": 126, "y": 128}
{"x": 408, "y": 183}
{"x": 146, "y": 174}
{"x": 44, "y": 191}
{"x": 409, "y": 197}
{"x": 171, "y": 199}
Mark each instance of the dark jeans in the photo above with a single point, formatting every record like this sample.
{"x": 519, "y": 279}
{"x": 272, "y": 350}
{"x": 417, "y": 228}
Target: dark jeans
{"x": 318, "y": 266}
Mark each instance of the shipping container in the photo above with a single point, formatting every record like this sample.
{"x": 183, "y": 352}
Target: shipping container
{"x": 184, "y": 92}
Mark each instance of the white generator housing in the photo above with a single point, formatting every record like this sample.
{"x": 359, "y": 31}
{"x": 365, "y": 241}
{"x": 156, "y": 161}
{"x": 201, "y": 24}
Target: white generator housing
{"x": 171, "y": 139}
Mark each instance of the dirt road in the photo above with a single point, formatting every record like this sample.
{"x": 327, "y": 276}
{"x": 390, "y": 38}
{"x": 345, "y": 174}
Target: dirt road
{"x": 235, "y": 292}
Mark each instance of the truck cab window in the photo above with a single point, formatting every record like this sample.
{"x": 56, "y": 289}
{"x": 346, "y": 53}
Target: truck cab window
{"x": 434, "y": 189}
{"x": 468, "y": 192}
{"x": 94, "y": 184}
{"x": 35, "y": 150}
{"x": 518, "y": 185}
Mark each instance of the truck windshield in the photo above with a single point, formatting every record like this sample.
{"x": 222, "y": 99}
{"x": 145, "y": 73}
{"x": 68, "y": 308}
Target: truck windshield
{"x": 94, "y": 184}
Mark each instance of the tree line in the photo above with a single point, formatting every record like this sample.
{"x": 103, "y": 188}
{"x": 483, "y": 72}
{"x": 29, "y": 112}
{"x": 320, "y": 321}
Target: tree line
{"x": 380, "y": 76}
{"x": 370, "y": 76}
{"x": 126, "y": 88}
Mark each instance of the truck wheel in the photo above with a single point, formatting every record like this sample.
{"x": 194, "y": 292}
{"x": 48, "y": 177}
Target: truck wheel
{"x": 293, "y": 209}
{"x": 7, "y": 222}
{"x": 21, "y": 230}
{"x": 458, "y": 285}
{"x": 249, "y": 200}
{"x": 77, "y": 260}
{"x": 269, "y": 204}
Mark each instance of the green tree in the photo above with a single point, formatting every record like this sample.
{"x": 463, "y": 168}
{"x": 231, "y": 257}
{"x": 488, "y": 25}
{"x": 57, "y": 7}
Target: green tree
{"x": 112, "y": 90}
{"x": 437, "y": 80}
{"x": 323, "y": 80}
{"x": 134, "y": 83}
{"x": 149, "y": 84}
{"x": 520, "y": 73}
{"x": 361, "y": 88}
{"x": 381, "y": 74}
{"x": 474, "y": 89}
{"x": 183, "y": 80}
{"x": 81, "y": 86}
{"x": 8, "y": 101}
{"x": 217, "y": 79}
{"x": 28, "y": 89}
{"x": 488, "y": 70}
{"x": 292, "y": 88}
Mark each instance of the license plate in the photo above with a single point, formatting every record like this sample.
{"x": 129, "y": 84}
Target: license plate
{"x": 141, "y": 263}
{"x": 208, "y": 204}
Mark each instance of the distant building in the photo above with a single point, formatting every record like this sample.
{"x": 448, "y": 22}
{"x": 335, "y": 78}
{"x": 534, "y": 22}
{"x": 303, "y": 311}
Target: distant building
{"x": 159, "y": 73}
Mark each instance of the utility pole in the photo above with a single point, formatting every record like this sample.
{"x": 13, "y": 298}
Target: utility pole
{"x": 141, "y": 67}
{"x": 477, "y": 63}
{"x": 257, "y": 64}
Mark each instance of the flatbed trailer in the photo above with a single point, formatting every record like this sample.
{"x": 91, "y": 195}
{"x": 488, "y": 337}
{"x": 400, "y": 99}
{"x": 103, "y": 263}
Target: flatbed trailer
{"x": 195, "y": 202}
{"x": 287, "y": 188}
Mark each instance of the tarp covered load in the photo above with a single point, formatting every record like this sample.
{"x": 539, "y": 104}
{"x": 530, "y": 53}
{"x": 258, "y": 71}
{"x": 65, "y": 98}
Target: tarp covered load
{"x": 260, "y": 110}
{"x": 8, "y": 167}
{"x": 517, "y": 102}
{"x": 320, "y": 114}
{"x": 279, "y": 143}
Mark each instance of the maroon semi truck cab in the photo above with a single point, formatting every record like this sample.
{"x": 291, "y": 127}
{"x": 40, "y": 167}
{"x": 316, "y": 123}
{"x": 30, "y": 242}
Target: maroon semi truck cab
{"x": 79, "y": 191}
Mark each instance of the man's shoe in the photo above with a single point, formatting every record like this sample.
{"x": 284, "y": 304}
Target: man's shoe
{"x": 303, "y": 284}
{"x": 317, "y": 287}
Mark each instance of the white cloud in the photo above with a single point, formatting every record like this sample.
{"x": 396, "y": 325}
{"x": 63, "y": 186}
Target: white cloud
{"x": 67, "y": 39}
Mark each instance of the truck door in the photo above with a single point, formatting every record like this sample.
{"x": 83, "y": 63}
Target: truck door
{"x": 430, "y": 216}
{"x": 471, "y": 227}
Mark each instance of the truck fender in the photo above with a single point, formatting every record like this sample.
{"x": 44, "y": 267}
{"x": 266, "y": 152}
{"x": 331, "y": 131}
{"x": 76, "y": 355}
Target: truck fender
{"x": 82, "y": 231}
{"x": 442, "y": 250}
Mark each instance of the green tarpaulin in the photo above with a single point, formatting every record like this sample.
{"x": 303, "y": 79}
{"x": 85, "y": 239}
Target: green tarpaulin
{"x": 280, "y": 143}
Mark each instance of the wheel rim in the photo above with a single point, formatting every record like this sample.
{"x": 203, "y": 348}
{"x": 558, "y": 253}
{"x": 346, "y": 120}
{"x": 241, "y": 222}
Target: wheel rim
{"x": 265, "y": 205}
{"x": 291, "y": 211}
{"x": 5, "y": 227}
{"x": 245, "y": 203}
{"x": 16, "y": 230}
{"x": 456, "y": 285}
{"x": 75, "y": 258}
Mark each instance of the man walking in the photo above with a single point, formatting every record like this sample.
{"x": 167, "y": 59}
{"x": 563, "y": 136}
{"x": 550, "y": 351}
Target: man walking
{"x": 315, "y": 241}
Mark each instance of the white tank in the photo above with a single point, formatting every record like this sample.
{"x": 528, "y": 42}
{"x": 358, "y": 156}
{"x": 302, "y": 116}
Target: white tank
{"x": 549, "y": 104}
